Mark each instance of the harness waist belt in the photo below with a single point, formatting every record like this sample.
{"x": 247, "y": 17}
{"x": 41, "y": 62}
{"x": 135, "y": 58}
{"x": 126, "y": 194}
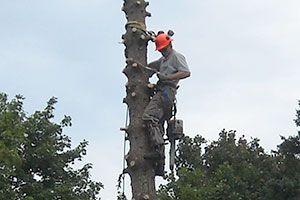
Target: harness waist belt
{"x": 162, "y": 84}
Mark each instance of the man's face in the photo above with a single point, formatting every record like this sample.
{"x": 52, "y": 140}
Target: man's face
{"x": 166, "y": 51}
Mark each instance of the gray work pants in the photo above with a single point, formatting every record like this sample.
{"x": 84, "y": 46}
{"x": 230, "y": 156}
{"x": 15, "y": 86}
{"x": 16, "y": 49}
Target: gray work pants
{"x": 158, "y": 110}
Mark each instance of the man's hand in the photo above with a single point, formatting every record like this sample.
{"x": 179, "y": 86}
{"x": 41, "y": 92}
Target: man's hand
{"x": 163, "y": 77}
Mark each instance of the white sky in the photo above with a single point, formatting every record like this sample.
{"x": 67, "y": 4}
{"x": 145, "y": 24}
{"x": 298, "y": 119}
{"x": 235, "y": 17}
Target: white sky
{"x": 244, "y": 58}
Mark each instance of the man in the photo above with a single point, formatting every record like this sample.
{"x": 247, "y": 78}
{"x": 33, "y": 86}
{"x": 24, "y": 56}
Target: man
{"x": 171, "y": 67}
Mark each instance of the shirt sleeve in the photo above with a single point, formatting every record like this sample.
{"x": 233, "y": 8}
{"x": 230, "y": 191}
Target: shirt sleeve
{"x": 154, "y": 65}
{"x": 182, "y": 65}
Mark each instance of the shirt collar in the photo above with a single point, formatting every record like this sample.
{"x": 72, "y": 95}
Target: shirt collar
{"x": 166, "y": 58}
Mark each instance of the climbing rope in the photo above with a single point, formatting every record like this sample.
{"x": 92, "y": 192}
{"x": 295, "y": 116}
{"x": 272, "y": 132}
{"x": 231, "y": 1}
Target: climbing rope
{"x": 136, "y": 24}
{"x": 122, "y": 176}
{"x": 174, "y": 110}
{"x": 124, "y": 145}
{"x": 141, "y": 26}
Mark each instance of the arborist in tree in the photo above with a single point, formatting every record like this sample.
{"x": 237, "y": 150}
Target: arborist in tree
{"x": 170, "y": 68}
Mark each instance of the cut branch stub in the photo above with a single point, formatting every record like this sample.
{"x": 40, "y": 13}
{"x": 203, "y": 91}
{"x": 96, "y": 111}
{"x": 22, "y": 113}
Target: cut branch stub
{"x": 125, "y": 101}
{"x": 124, "y": 129}
{"x": 148, "y": 14}
{"x": 132, "y": 163}
{"x": 125, "y": 71}
{"x": 143, "y": 37}
{"x": 134, "y": 30}
{"x": 133, "y": 94}
{"x": 129, "y": 60}
{"x": 150, "y": 85}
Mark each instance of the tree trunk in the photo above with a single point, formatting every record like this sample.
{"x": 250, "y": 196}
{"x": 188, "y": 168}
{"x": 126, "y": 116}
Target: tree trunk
{"x": 138, "y": 91}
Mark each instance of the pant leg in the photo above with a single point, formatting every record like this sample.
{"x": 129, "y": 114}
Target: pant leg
{"x": 157, "y": 111}
{"x": 152, "y": 116}
{"x": 154, "y": 110}
{"x": 160, "y": 106}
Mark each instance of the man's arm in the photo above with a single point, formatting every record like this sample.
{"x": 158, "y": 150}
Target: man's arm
{"x": 176, "y": 76}
{"x": 154, "y": 65}
{"x": 179, "y": 75}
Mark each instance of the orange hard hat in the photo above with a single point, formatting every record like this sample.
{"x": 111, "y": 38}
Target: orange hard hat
{"x": 162, "y": 41}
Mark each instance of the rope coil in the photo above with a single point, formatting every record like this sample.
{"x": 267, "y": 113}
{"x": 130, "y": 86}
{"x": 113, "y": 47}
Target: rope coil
{"x": 136, "y": 24}
{"x": 141, "y": 26}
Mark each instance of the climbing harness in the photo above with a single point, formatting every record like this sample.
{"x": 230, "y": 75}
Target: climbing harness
{"x": 165, "y": 96}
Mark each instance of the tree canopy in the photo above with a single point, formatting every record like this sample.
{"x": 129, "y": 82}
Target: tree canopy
{"x": 36, "y": 158}
{"x": 232, "y": 168}
{"x": 37, "y": 163}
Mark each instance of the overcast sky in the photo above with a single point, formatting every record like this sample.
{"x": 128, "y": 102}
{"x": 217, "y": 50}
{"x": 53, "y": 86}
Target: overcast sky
{"x": 244, "y": 58}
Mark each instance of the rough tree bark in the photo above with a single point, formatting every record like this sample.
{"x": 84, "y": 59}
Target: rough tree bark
{"x": 138, "y": 92}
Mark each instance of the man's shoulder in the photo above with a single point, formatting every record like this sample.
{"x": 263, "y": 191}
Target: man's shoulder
{"x": 180, "y": 61}
{"x": 178, "y": 54}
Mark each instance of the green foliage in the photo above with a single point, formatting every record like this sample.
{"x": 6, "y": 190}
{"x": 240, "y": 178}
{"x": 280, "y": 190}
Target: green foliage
{"x": 36, "y": 157}
{"x": 234, "y": 169}
{"x": 287, "y": 183}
